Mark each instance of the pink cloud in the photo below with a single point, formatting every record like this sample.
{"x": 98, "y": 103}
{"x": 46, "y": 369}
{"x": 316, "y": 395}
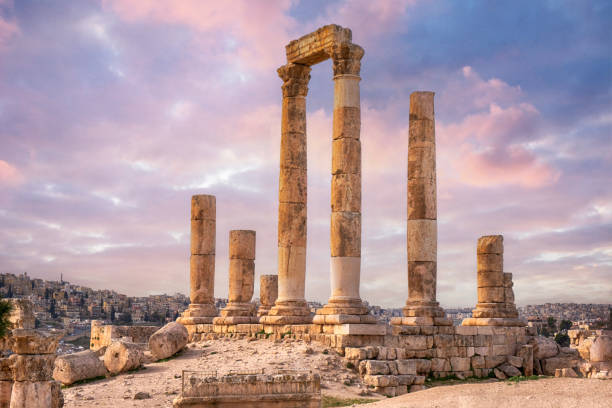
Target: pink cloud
{"x": 9, "y": 175}
{"x": 255, "y": 32}
{"x": 8, "y": 28}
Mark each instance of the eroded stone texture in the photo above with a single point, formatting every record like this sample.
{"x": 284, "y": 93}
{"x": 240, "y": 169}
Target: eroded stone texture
{"x": 123, "y": 356}
{"x": 241, "y": 279}
{"x": 74, "y": 367}
{"x": 168, "y": 340}
{"x": 268, "y": 293}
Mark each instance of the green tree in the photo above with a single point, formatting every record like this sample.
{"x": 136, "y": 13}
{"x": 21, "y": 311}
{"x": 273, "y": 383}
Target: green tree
{"x": 5, "y": 311}
{"x": 565, "y": 325}
{"x": 552, "y": 323}
{"x": 562, "y": 339}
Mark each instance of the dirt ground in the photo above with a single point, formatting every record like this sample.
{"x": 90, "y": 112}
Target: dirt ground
{"x": 162, "y": 381}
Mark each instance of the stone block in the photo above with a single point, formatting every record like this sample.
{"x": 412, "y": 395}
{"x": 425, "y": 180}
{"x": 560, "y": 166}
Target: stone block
{"x": 346, "y": 91}
{"x": 32, "y": 341}
{"x": 490, "y": 244}
{"x": 202, "y": 278}
{"x": 526, "y": 354}
{"x": 241, "y": 280}
{"x": 601, "y": 349}
{"x": 415, "y": 388}
{"x": 6, "y": 387}
{"x": 491, "y": 295}
{"x": 491, "y": 263}
{"x": 376, "y": 367}
{"x": 489, "y": 279}
{"x": 460, "y": 363}
{"x": 291, "y": 224}
{"x": 361, "y": 329}
{"x": 355, "y": 353}
{"x": 422, "y": 198}
{"x": 345, "y": 234}
{"x": 444, "y": 340}
{"x": 168, "y": 340}
{"x": 32, "y": 367}
{"x": 203, "y": 207}
{"x": 422, "y": 280}
{"x": 380, "y": 380}
{"x": 292, "y": 187}
{"x": 440, "y": 364}
{"x": 422, "y": 105}
{"x": 463, "y": 341}
{"x": 422, "y": 162}
{"x": 466, "y": 330}
{"x": 346, "y": 122}
{"x": 293, "y": 150}
{"x": 421, "y": 133}
{"x": 405, "y": 379}
{"x": 39, "y": 394}
{"x": 407, "y": 367}
{"x": 422, "y": 240}
{"x": 478, "y": 362}
{"x": 510, "y": 370}
{"x": 501, "y": 350}
{"x": 419, "y": 380}
{"x": 346, "y": 192}
{"x": 494, "y": 361}
{"x": 423, "y": 366}
{"x": 293, "y": 115}
{"x": 482, "y": 351}
{"x": 203, "y": 237}
{"x": 346, "y": 156}
{"x": 544, "y": 347}
{"x": 415, "y": 342}
{"x": 515, "y": 361}
{"x": 84, "y": 365}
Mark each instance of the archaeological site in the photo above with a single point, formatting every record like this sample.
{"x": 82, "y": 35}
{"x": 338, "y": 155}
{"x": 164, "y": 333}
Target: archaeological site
{"x": 345, "y": 339}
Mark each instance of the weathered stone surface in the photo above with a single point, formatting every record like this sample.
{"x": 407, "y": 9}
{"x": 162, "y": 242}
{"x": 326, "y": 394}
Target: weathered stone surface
{"x": 422, "y": 198}
{"x": 422, "y": 105}
{"x": 422, "y": 280}
{"x": 242, "y": 244}
{"x": 422, "y": 240}
{"x": 375, "y": 367}
{"x": 292, "y": 187}
{"x": 291, "y": 272}
{"x": 84, "y": 365}
{"x": 295, "y": 81}
{"x": 241, "y": 280}
{"x": 123, "y": 356}
{"x": 22, "y": 314}
{"x": 421, "y": 133}
{"x": 516, "y": 361}
{"x": 526, "y": 353}
{"x": 6, "y": 388}
{"x": 40, "y": 394}
{"x": 460, "y": 363}
{"x": 203, "y": 207}
{"x": 510, "y": 370}
{"x": 489, "y": 279}
{"x": 422, "y": 162}
{"x": 499, "y": 374}
{"x": 268, "y": 289}
{"x": 406, "y": 367}
{"x": 32, "y": 367}
{"x": 490, "y": 262}
{"x": 478, "y": 362}
{"x": 203, "y": 237}
{"x": 291, "y": 224}
{"x": 544, "y": 347}
{"x": 31, "y": 341}
{"x": 168, "y": 340}
{"x": 202, "y": 278}
{"x": 346, "y": 192}
{"x": 490, "y": 244}
{"x": 346, "y": 234}
{"x": 601, "y": 349}
{"x": 346, "y": 156}
{"x": 293, "y": 150}
{"x": 491, "y": 295}
{"x": 347, "y": 122}
{"x": 549, "y": 365}
{"x": 494, "y": 361}
{"x": 293, "y": 117}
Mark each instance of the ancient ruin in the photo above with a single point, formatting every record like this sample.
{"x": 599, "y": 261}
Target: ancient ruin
{"x": 268, "y": 293}
{"x": 202, "y": 262}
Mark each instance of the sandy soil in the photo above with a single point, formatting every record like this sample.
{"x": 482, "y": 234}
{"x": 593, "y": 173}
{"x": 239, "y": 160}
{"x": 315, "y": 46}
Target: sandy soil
{"x": 162, "y": 381}
{"x": 543, "y": 393}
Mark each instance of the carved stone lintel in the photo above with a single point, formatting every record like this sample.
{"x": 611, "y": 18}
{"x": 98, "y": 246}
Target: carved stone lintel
{"x": 346, "y": 59}
{"x": 295, "y": 79}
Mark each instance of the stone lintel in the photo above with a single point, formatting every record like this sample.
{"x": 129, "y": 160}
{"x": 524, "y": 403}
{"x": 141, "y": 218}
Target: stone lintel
{"x": 316, "y": 47}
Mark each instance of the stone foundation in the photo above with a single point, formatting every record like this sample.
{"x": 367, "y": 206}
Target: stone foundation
{"x": 104, "y": 335}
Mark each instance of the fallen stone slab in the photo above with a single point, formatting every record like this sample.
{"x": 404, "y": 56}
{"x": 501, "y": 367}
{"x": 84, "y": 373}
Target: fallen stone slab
{"x": 75, "y": 367}
{"x": 123, "y": 356}
{"x": 168, "y": 340}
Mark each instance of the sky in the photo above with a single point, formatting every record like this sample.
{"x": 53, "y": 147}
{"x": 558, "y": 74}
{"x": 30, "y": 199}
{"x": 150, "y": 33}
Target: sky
{"x": 114, "y": 113}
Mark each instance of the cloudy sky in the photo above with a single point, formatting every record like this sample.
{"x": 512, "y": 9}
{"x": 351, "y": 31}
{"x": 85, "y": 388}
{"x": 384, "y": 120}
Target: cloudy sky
{"x": 113, "y": 113}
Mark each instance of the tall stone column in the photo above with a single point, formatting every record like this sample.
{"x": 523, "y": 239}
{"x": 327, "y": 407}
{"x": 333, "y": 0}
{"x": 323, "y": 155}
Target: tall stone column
{"x": 202, "y": 308}
{"x": 495, "y": 305}
{"x": 345, "y": 305}
{"x": 422, "y": 230}
{"x": 291, "y": 306}
{"x": 268, "y": 293}
{"x": 241, "y": 279}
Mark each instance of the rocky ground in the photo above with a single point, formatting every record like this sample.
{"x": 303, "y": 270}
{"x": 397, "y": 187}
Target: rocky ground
{"x": 159, "y": 383}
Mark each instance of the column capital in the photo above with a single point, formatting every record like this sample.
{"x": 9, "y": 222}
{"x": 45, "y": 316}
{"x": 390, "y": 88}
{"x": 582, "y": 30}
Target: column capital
{"x": 346, "y": 59}
{"x": 295, "y": 79}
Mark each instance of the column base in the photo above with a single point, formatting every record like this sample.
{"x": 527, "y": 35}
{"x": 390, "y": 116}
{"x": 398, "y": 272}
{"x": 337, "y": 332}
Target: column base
{"x": 344, "y": 311}
{"x": 493, "y": 321}
{"x": 198, "y": 313}
{"x": 263, "y": 310}
{"x": 237, "y": 313}
{"x": 495, "y": 310}
{"x": 422, "y": 313}
{"x": 288, "y": 312}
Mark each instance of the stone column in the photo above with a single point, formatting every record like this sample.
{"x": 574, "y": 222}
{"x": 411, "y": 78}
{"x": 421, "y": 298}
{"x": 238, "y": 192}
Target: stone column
{"x": 422, "y": 231}
{"x": 32, "y": 366}
{"x": 202, "y": 308}
{"x": 268, "y": 293}
{"x": 495, "y": 305}
{"x": 239, "y": 309}
{"x": 345, "y": 305}
{"x": 291, "y": 306}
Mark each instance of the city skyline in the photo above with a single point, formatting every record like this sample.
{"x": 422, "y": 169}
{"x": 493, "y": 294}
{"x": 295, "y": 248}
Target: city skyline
{"x": 113, "y": 114}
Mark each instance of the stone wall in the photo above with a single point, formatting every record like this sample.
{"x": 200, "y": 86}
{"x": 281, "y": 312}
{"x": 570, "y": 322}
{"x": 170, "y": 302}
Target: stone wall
{"x": 103, "y": 335}
{"x": 286, "y": 390}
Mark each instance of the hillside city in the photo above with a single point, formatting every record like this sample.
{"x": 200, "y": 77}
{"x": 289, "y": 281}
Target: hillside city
{"x": 72, "y": 307}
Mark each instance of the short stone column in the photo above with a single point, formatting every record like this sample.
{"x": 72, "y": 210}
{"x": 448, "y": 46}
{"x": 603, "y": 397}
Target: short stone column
{"x": 291, "y": 306}
{"x": 268, "y": 293}
{"x": 32, "y": 366}
{"x": 495, "y": 305}
{"x": 422, "y": 230}
{"x": 202, "y": 308}
{"x": 239, "y": 309}
{"x": 345, "y": 305}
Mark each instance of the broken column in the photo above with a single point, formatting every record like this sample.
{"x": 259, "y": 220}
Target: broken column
{"x": 268, "y": 292}
{"x": 32, "y": 366}
{"x": 239, "y": 309}
{"x": 422, "y": 230}
{"x": 495, "y": 305}
{"x": 291, "y": 306}
{"x": 202, "y": 308}
{"x": 345, "y": 305}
